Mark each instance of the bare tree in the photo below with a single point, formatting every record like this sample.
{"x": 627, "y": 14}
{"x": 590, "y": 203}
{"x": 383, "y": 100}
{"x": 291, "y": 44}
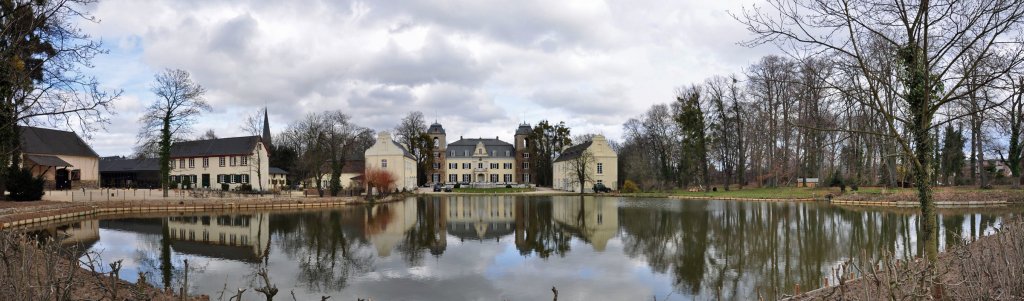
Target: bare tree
{"x": 208, "y": 135}
{"x": 411, "y": 134}
{"x": 581, "y": 168}
{"x": 929, "y": 40}
{"x": 179, "y": 102}
{"x": 41, "y": 76}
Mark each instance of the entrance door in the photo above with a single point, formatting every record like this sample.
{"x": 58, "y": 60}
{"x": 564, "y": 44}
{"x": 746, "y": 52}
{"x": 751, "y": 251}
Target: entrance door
{"x": 61, "y": 181}
{"x": 206, "y": 180}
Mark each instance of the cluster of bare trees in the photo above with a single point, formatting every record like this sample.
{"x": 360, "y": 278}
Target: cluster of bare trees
{"x": 323, "y": 143}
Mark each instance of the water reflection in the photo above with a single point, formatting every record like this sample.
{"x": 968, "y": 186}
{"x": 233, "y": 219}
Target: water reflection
{"x": 515, "y": 248}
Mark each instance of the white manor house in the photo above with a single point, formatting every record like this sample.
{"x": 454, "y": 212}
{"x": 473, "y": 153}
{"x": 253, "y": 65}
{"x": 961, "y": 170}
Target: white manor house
{"x": 480, "y": 160}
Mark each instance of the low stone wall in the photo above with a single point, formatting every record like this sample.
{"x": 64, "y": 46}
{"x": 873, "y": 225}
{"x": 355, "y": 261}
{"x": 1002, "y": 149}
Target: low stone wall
{"x": 743, "y": 199}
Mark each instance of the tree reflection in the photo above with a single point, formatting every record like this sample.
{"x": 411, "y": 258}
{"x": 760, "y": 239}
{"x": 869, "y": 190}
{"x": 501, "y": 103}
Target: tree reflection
{"x": 326, "y": 245}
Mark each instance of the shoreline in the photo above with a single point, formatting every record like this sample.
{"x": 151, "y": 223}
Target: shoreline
{"x": 66, "y": 211}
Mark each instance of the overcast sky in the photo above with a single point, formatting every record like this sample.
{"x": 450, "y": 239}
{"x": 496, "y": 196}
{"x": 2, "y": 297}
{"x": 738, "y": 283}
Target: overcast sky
{"x": 478, "y": 67}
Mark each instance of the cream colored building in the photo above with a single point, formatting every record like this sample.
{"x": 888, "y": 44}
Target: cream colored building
{"x": 211, "y": 163}
{"x": 62, "y": 158}
{"x": 596, "y": 220}
{"x": 400, "y": 217}
{"x": 238, "y": 236}
{"x": 481, "y": 217}
{"x": 278, "y": 178}
{"x": 602, "y": 168}
{"x": 386, "y": 154}
{"x": 349, "y": 177}
{"x": 481, "y": 161}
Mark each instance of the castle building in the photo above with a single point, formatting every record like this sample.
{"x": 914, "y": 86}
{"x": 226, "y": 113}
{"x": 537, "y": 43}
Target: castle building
{"x": 480, "y": 160}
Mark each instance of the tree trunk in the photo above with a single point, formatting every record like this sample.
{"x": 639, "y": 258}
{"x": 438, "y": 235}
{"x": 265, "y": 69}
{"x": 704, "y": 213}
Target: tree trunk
{"x": 165, "y": 153}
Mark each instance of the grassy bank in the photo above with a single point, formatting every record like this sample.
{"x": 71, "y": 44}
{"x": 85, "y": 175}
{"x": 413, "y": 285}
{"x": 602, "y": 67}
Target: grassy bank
{"x": 492, "y": 190}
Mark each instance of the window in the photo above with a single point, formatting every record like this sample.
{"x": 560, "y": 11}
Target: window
{"x": 234, "y": 160}
{"x": 600, "y": 168}
{"x": 222, "y": 238}
{"x": 526, "y": 178}
{"x": 526, "y": 155}
{"x": 453, "y": 178}
{"x": 245, "y": 160}
{"x": 206, "y": 162}
{"x": 384, "y": 163}
{"x": 467, "y": 165}
{"x": 221, "y": 159}
{"x": 220, "y": 179}
{"x": 507, "y": 166}
{"x": 234, "y": 179}
{"x": 508, "y": 153}
{"x": 451, "y": 154}
{"x": 480, "y": 165}
{"x": 435, "y": 178}
{"x": 465, "y": 153}
{"x": 181, "y": 163}
{"x": 494, "y": 178}
{"x": 75, "y": 174}
{"x": 437, "y": 154}
{"x": 435, "y": 145}
{"x": 206, "y": 236}
{"x": 494, "y": 153}
{"x": 467, "y": 178}
{"x": 526, "y": 165}
{"x": 245, "y": 179}
{"x": 494, "y": 165}
{"x": 526, "y": 142}
{"x": 437, "y": 165}
{"x": 191, "y": 162}
{"x": 453, "y": 166}
{"x": 508, "y": 178}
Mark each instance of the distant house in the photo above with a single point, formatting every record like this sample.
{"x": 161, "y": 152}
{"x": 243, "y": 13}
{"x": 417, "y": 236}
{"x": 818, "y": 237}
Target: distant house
{"x": 603, "y": 168}
{"x": 121, "y": 172}
{"x": 388, "y": 155}
{"x": 349, "y": 178}
{"x": 62, "y": 158}
{"x": 278, "y": 178}
{"x": 807, "y": 182}
{"x": 212, "y": 163}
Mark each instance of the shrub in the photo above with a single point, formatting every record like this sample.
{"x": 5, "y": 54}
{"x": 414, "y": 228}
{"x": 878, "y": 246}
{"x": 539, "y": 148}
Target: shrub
{"x": 187, "y": 183}
{"x": 508, "y": 185}
{"x": 837, "y": 180}
{"x": 24, "y": 187}
{"x": 630, "y": 187}
{"x": 245, "y": 187}
{"x": 457, "y": 185}
{"x": 225, "y": 187}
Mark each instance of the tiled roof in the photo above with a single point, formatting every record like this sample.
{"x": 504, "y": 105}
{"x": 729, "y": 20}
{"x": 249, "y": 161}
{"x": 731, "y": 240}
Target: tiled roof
{"x": 53, "y": 142}
{"x": 468, "y": 146}
{"x": 574, "y": 151}
{"x": 116, "y": 164}
{"x": 277, "y": 171}
{"x": 214, "y": 147}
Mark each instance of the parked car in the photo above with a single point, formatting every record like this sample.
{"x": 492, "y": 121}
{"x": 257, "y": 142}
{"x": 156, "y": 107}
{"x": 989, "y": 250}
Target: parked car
{"x": 599, "y": 188}
{"x": 448, "y": 188}
{"x": 437, "y": 187}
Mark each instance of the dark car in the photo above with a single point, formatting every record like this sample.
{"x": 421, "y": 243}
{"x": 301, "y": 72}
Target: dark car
{"x": 437, "y": 187}
{"x": 599, "y": 188}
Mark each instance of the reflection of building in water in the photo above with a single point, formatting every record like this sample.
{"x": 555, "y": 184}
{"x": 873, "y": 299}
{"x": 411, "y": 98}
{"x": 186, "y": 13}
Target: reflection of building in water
{"x": 386, "y": 224}
{"x": 78, "y": 233}
{"x": 241, "y": 237}
{"x": 594, "y": 220}
{"x": 481, "y": 217}
{"x": 435, "y": 219}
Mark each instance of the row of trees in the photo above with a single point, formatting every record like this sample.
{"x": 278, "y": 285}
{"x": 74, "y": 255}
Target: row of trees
{"x": 322, "y": 143}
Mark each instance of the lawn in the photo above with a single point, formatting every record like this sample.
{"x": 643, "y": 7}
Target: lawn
{"x": 763, "y": 193}
{"x": 492, "y": 190}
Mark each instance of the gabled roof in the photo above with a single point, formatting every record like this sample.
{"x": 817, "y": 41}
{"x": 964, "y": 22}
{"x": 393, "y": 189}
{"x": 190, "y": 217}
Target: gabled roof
{"x": 404, "y": 151}
{"x": 121, "y": 164}
{"x": 215, "y": 147}
{"x": 574, "y": 151}
{"x": 468, "y": 146}
{"x": 53, "y": 142}
{"x": 277, "y": 171}
{"x": 43, "y": 160}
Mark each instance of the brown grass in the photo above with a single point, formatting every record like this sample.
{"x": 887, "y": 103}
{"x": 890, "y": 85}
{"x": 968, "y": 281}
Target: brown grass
{"x": 990, "y": 268}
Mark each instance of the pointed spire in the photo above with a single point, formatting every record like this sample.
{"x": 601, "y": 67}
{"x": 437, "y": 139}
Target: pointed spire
{"x": 266, "y": 127}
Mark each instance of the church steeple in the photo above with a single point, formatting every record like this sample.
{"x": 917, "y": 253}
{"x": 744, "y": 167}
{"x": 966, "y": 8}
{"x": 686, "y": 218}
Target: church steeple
{"x": 266, "y": 128}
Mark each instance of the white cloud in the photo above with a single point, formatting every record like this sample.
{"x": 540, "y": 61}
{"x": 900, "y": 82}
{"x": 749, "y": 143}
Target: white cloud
{"x": 479, "y": 67}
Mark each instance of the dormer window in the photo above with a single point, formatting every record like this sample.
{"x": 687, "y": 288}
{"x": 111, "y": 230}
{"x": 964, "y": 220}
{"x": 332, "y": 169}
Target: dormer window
{"x": 508, "y": 154}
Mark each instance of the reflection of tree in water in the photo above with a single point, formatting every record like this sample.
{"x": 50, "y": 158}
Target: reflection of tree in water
{"x": 170, "y": 269}
{"x": 328, "y": 246}
{"x": 427, "y": 234}
{"x": 536, "y": 232}
{"x": 739, "y": 250}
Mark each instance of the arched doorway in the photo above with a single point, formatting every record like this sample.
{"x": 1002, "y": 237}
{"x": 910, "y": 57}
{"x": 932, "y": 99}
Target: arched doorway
{"x": 480, "y": 178}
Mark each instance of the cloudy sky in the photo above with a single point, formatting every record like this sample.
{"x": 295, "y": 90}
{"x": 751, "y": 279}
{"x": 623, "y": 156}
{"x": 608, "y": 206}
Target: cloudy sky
{"x": 478, "y": 67}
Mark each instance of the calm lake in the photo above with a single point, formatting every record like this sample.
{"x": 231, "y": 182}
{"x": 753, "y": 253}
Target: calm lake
{"x": 517, "y": 248}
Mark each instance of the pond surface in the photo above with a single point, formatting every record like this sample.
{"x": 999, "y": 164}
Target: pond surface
{"x": 517, "y": 248}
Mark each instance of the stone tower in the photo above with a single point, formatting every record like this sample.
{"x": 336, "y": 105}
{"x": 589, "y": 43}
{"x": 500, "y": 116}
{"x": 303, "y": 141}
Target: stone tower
{"x": 522, "y": 144}
{"x": 436, "y": 173}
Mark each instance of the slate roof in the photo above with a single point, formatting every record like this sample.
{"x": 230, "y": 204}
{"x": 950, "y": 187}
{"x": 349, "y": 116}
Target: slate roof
{"x": 435, "y": 128}
{"x": 43, "y": 160}
{"x": 214, "y": 147}
{"x": 277, "y": 171}
{"x": 524, "y": 129}
{"x": 468, "y": 146}
{"x": 404, "y": 151}
{"x": 574, "y": 151}
{"x": 53, "y": 142}
{"x": 121, "y": 164}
